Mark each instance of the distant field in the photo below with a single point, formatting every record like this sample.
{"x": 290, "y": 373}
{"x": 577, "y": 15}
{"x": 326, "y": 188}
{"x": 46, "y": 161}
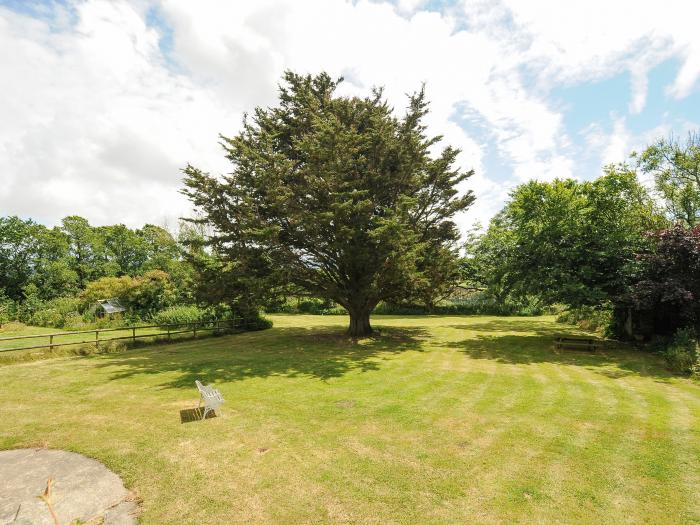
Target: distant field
{"x": 436, "y": 420}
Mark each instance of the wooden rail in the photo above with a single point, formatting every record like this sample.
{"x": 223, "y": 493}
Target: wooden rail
{"x": 170, "y": 330}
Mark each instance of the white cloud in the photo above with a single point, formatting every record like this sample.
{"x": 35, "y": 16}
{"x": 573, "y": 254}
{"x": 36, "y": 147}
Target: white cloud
{"x": 581, "y": 41}
{"x": 640, "y": 85}
{"x": 97, "y": 121}
{"x": 372, "y": 45}
{"x": 618, "y": 143}
{"x": 101, "y": 119}
{"x": 690, "y": 72}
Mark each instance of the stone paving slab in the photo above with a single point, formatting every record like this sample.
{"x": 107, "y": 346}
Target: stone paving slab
{"x": 82, "y": 489}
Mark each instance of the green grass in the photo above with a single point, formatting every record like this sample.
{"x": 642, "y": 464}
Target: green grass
{"x": 81, "y": 343}
{"x": 436, "y": 420}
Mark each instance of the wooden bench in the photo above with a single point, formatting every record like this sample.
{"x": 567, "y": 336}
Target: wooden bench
{"x": 574, "y": 342}
{"x": 210, "y": 396}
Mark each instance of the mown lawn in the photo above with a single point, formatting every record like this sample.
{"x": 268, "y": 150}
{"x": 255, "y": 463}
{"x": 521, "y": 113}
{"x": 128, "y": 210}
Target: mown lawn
{"x": 437, "y": 420}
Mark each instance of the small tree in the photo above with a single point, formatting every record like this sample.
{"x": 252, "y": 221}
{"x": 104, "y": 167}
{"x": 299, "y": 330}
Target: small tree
{"x": 6, "y": 309}
{"x": 490, "y": 258}
{"x": 667, "y": 281}
{"x": 567, "y": 241}
{"x": 341, "y": 197}
{"x": 18, "y": 252}
{"x": 675, "y": 166}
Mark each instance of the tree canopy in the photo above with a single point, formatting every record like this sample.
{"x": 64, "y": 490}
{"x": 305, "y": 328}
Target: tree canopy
{"x": 675, "y": 165}
{"x": 666, "y": 284}
{"x": 335, "y": 195}
{"x": 63, "y": 260}
{"x": 567, "y": 241}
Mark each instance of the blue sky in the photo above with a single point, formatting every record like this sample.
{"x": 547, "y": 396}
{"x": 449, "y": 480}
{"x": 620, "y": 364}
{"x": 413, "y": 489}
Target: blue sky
{"x": 105, "y": 101}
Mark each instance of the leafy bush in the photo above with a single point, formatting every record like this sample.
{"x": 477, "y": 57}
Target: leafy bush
{"x": 76, "y": 321}
{"x": 315, "y": 306}
{"x": 477, "y": 304}
{"x": 184, "y": 314}
{"x": 105, "y": 288}
{"x": 32, "y": 303}
{"x": 8, "y": 309}
{"x": 682, "y": 353}
{"x": 151, "y": 292}
{"x": 595, "y": 319}
{"x": 189, "y": 314}
{"x": 142, "y": 296}
{"x": 259, "y": 323}
{"x": 307, "y": 306}
{"x": 61, "y": 312}
{"x": 667, "y": 281}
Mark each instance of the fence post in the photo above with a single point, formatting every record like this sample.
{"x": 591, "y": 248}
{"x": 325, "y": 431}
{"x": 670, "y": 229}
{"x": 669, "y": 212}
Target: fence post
{"x": 51, "y": 342}
{"x": 97, "y": 338}
{"x": 133, "y": 334}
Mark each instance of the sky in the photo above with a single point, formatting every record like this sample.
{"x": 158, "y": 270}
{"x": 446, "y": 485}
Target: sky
{"x": 103, "y": 102}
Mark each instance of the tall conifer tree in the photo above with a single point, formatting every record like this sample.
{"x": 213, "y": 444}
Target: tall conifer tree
{"x": 335, "y": 195}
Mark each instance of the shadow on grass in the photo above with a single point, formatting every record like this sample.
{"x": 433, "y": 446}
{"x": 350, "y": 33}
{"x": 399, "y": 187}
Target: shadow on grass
{"x": 321, "y": 352}
{"x": 190, "y": 415}
{"x": 537, "y": 346}
{"x": 524, "y": 325}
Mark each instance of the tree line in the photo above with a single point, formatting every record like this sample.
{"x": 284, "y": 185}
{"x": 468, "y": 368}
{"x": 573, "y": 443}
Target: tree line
{"x": 54, "y": 276}
{"x": 609, "y": 248}
{"x": 64, "y": 259}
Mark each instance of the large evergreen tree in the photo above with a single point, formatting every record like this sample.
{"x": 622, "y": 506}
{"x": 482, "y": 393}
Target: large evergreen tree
{"x": 336, "y": 195}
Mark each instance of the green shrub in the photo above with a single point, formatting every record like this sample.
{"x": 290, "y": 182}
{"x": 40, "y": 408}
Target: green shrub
{"x": 150, "y": 293}
{"x": 106, "y": 288}
{"x": 307, "y": 306}
{"x": 183, "y": 314}
{"x": 259, "y": 323}
{"x": 682, "y": 353}
{"x": 75, "y": 321}
{"x": 31, "y": 304}
{"x": 61, "y": 312}
{"x": 476, "y": 304}
{"x": 87, "y": 321}
{"x": 594, "y": 319}
{"x": 315, "y": 306}
{"x": 142, "y": 295}
{"x": 8, "y": 309}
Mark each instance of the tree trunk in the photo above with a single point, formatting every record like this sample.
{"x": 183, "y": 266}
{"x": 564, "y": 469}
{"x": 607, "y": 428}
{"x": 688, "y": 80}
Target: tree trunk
{"x": 359, "y": 323}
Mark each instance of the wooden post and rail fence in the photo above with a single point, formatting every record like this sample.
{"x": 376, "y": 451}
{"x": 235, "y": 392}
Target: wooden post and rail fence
{"x": 167, "y": 330}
